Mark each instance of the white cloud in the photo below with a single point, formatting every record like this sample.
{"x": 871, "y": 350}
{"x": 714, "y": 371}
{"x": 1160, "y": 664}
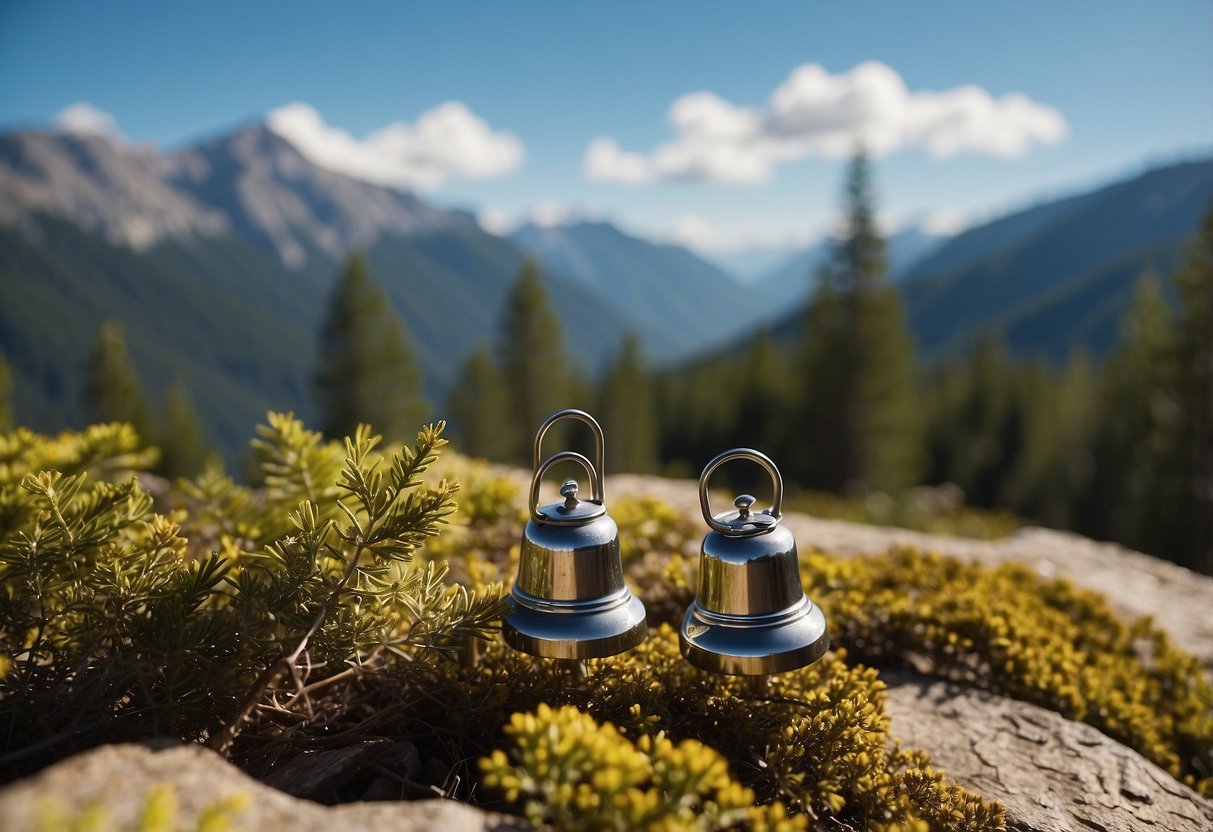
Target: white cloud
{"x": 944, "y": 222}
{"x": 693, "y": 231}
{"x": 815, "y": 113}
{"x": 546, "y": 213}
{"x": 448, "y": 141}
{"x": 84, "y": 119}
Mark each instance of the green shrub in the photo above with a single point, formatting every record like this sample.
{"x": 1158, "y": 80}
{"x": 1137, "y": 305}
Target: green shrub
{"x": 118, "y": 622}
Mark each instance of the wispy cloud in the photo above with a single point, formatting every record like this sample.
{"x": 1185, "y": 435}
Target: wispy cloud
{"x": 546, "y": 213}
{"x": 446, "y": 142}
{"x": 695, "y": 232}
{"x": 82, "y": 118}
{"x": 816, "y": 113}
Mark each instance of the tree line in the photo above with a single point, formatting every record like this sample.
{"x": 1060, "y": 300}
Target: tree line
{"x": 1122, "y": 450}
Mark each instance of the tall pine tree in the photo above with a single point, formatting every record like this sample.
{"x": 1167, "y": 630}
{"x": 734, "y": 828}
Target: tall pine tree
{"x": 182, "y": 440}
{"x": 113, "y": 391}
{"x": 367, "y": 372}
{"x": 6, "y": 400}
{"x": 626, "y": 406}
{"x": 1194, "y": 446}
{"x": 859, "y": 427}
{"x": 479, "y": 408}
{"x": 533, "y": 362}
{"x": 1134, "y": 492}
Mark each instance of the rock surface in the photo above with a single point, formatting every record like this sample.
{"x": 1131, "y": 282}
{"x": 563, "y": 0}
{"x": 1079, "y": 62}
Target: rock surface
{"x": 1054, "y": 775}
{"x": 119, "y": 778}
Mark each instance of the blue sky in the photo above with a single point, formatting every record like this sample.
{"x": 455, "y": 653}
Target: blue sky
{"x": 1107, "y": 88}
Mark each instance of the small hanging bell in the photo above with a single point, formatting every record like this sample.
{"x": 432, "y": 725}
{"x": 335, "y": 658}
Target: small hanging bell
{"x": 750, "y": 616}
{"x": 570, "y": 601}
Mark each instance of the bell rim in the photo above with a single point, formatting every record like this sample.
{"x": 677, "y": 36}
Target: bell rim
{"x": 611, "y": 631}
{"x": 790, "y": 643}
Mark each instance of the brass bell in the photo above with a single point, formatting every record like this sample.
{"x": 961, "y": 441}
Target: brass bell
{"x": 750, "y": 616}
{"x": 570, "y": 601}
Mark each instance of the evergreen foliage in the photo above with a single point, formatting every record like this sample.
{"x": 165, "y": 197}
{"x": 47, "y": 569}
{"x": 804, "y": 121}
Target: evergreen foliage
{"x": 182, "y": 438}
{"x": 6, "y": 392}
{"x": 367, "y": 372}
{"x": 113, "y": 390}
{"x": 117, "y": 621}
{"x": 857, "y": 363}
{"x": 626, "y": 408}
{"x": 533, "y": 360}
{"x": 479, "y": 408}
{"x": 1194, "y": 283}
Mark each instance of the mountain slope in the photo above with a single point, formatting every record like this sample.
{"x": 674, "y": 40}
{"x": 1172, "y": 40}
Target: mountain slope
{"x": 1055, "y": 249}
{"x": 1054, "y": 278}
{"x": 678, "y": 302}
{"x": 115, "y": 191}
{"x": 789, "y": 284}
{"x": 237, "y": 360}
{"x": 284, "y": 204}
{"x": 225, "y": 277}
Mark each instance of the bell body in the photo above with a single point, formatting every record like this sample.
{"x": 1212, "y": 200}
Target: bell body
{"x": 570, "y": 601}
{"x": 750, "y": 616}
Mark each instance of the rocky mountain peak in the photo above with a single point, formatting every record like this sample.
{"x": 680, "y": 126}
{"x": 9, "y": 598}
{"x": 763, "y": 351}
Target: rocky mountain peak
{"x": 107, "y": 187}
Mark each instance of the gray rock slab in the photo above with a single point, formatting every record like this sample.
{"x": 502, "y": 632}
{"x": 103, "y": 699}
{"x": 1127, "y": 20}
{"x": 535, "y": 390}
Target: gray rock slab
{"x": 1054, "y": 775}
{"x": 120, "y": 777}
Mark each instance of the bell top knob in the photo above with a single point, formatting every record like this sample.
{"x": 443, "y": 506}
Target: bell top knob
{"x": 743, "y": 503}
{"x": 569, "y": 492}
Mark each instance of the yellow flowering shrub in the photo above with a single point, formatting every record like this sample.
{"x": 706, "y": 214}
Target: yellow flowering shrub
{"x": 568, "y": 770}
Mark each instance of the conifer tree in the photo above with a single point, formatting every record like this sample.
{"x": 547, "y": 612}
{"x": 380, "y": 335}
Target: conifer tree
{"x": 976, "y": 422}
{"x": 113, "y": 390}
{"x": 533, "y": 362}
{"x": 6, "y": 402}
{"x": 1134, "y": 492}
{"x": 858, "y": 428}
{"x": 1055, "y": 464}
{"x": 1194, "y": 446}
{"x": 626, "y": 406}
{"x": 367, "y": 372}
{"x": 763, "y": 399}
{"x": 478, "y": 407}
{"x": 182, "y": 441}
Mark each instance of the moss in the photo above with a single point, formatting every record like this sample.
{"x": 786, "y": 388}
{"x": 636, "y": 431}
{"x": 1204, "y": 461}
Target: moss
{"x": 818, "y": 742}
{"x": 930, "y": 509}
{"x": 1008, "y": 630}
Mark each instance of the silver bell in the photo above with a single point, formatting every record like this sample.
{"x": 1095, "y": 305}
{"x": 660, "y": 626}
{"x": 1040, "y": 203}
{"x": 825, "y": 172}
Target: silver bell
{"x": 570, "y": 601}
{"x": 750, "y": 616}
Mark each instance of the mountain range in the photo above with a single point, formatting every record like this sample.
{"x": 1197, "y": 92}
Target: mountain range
{"x": 1054, "y": 278}
{"x": 218, "y": 258}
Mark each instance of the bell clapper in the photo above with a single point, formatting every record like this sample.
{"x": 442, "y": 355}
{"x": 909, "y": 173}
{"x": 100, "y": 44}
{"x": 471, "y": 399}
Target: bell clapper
{"x": 756, "y": 687}
{"x": 469, "y": 656}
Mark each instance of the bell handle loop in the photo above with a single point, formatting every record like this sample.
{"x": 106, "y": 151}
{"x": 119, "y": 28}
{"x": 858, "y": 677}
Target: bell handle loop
{"x": 596, "y": 473}
{"x": 562, "y": 456}
{"x": 752, "y": 455}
